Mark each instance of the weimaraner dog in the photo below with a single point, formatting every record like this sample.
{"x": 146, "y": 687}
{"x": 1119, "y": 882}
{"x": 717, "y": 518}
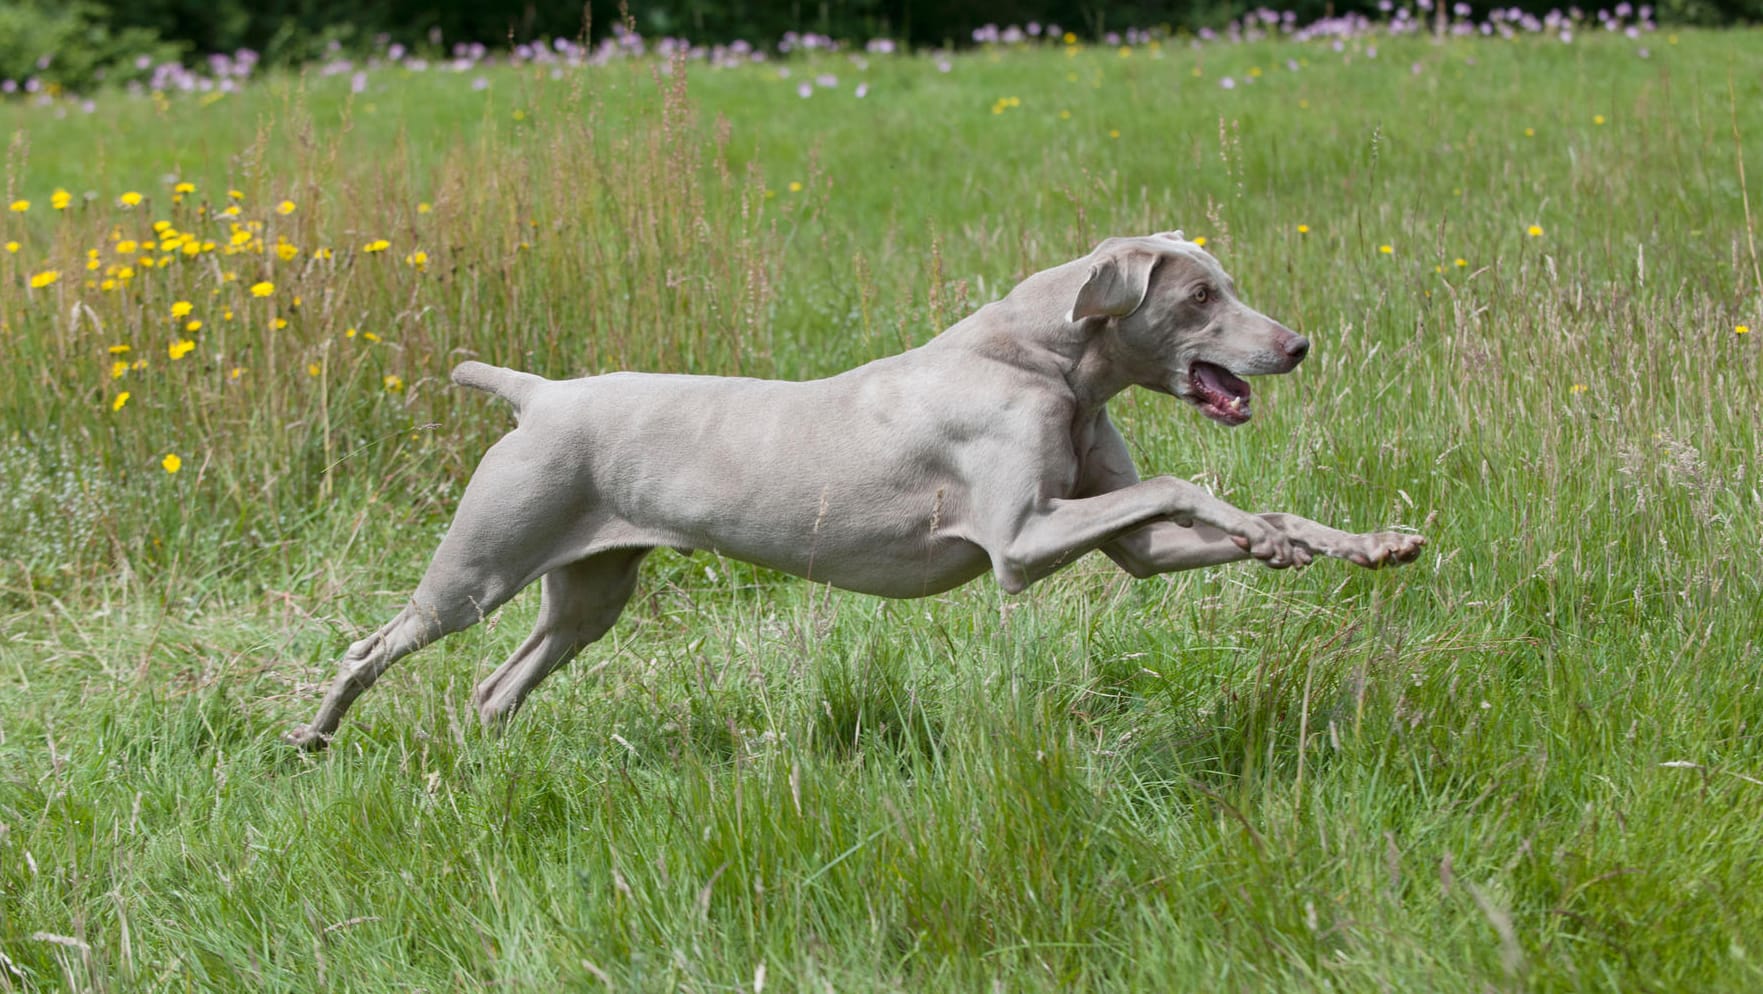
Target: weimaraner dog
{"x": 988, "y": 448}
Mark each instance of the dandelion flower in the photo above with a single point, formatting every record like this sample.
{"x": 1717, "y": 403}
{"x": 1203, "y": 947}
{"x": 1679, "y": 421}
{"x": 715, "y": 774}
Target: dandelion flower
{"x": 1114, "y": 132}
{"x": 119, "y": 349}
{"x": 1387, "y": 249}
{"x": 423, "y": 208}
{"x": 118, "y": 368}
{"x": 419, "y": 259}
{"x": 795, "y": 187}
{"x": 1534, "y": 231}
{"x": 1597, "y": 119}
{"x": 286, "y": 250}
{"x": 1530, "y": 132}
{"x": 1303, "y": 229}
{"x": 181, "y": 308}
{"x": 183, "y": 188}
{"x": 377, "y": 245}
{"x": 279, "y": 323}
{"x": 129, "y": 199}
{"x": 370, "y": 336}
{"x": 60, "y": 199}
{"x": 235, "y": 195}
{"x": 121, "y": 399}
{"x": 19, "y": 206}
{"x": 285, "y": 208}
{"x": 1578, "y": 388}
{"x": 45, "y": 278}
{"x": 172, "y": 463}
{"x": 194, "y": 324}
{"x": 262, "y": 289}
{"x": 313, "y": 369}
{"x": 1741, "y": 329}
{"x": 180, "y": 348}
{"x": 1460, "y": 262}
{"x": 12, "y": 246}
{"x": 394, "y": 383}
{"x": 1200, "y": 240}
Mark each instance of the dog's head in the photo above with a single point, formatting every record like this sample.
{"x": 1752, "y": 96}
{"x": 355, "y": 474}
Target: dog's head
{"x": 1177, "y": 325}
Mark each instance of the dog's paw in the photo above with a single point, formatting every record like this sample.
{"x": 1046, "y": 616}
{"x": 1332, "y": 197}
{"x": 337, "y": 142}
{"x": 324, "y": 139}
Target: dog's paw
{"x": 1273, "y": 547}
{"x": 1375, "y": 550}
{"x": 306, "y": 739}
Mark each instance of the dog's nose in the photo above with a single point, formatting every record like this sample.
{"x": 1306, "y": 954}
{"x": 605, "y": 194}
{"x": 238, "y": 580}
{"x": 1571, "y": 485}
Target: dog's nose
{"x": 1297, "y": 347}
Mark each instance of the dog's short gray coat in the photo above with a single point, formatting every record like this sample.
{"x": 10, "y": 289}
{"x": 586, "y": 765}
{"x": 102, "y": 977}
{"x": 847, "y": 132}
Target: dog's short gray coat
{"x": 988, "y": 448}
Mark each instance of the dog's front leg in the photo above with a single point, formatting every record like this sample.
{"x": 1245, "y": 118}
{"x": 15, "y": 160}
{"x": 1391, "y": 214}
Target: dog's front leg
{"x": 1368, "y": 549}
{"x": 1164, "y": 547}
{"x": 1059, "y": 531}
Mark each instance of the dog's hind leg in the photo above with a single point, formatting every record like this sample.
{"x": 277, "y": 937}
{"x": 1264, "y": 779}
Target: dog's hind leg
{"x": 503, "y": 536}
{"x": 422, "y": 621}
{"x": 582, "y": 601}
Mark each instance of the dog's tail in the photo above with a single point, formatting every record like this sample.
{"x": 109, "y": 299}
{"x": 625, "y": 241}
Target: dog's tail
{"x": 511, "y": 385}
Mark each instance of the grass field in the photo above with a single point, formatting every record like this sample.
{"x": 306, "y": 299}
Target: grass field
{"x": 1529, "y": 761}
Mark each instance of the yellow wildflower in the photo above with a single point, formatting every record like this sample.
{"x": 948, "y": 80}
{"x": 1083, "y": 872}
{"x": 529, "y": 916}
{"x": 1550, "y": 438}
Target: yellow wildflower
{"x": 235, "y": 195}
{"x": 795, "y": 187}
{"x": 377, "y": 245}
{"x": 60, "y": 199}
{"x": 12, "y": 246}
{"x": 19, "y": 206}
{"x": 285, "y": 208}
{"x": 1578, "y": 388}
{"x": 121, "y": 399}
{"x": 171, "y": 462}
{"x": 1597, "y": 119}
{"x": 1534, "y": 231}
{"x": 130, "y": 199}
{"x": 394, "y": 383}
{"x": 1387, "y": 249}
{"x": 181, "y": 308}
{"x": 419, "y": 259}
{"x": 1460, "y": 262}
{"x": 45, "y": 278}
{"x": 118, "y": 368}
{"x": 195, "y": 324}
{"x": 185, "y": 187}
{"x": 423, "y": 208}
{"x": 279, "y": 323}
{"x": 181, "y": 348}
{"x": 118, "y": 349}
{"x": 1200, "y": 240}
{"x": 286, "y": 250}
{"x": 262, "y": 289}
{"x": 370, "y": 336}
{"x": 127, "y": 247}
{"x": 1741, "y": 329}
{"x": 312, "y": 369}
{"x": 1303, "y": 229}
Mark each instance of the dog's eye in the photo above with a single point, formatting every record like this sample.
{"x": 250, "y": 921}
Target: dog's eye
{"x": 1200, "y": 294}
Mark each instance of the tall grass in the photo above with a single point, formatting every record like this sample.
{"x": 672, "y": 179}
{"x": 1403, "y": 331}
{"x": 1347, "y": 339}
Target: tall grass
{"x": 1526, "y": 762}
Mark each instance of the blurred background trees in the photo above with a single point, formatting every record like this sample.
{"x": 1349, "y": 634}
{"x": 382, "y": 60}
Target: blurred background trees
{"x": 76, "y": 43}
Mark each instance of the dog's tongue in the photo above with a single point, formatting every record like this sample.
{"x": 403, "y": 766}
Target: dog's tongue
{"x": 1220, "y": 383}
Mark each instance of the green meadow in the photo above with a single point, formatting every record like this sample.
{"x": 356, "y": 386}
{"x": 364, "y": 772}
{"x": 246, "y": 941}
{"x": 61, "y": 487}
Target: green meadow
{"x": 1528, "y": 761}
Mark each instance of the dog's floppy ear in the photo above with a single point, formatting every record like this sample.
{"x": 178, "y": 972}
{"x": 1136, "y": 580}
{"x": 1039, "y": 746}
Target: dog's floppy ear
{"x": 1117, "y": 285}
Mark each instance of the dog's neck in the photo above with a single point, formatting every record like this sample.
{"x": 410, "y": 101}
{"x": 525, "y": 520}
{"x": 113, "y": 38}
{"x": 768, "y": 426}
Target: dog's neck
{"x": 1030, "y": 327}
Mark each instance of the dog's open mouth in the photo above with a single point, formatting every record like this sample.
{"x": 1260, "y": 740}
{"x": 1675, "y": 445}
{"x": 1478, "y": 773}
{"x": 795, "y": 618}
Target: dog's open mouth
{"x": 1219, "y": 394}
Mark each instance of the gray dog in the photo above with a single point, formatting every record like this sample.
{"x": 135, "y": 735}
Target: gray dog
{"x": 988, "y": 448}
